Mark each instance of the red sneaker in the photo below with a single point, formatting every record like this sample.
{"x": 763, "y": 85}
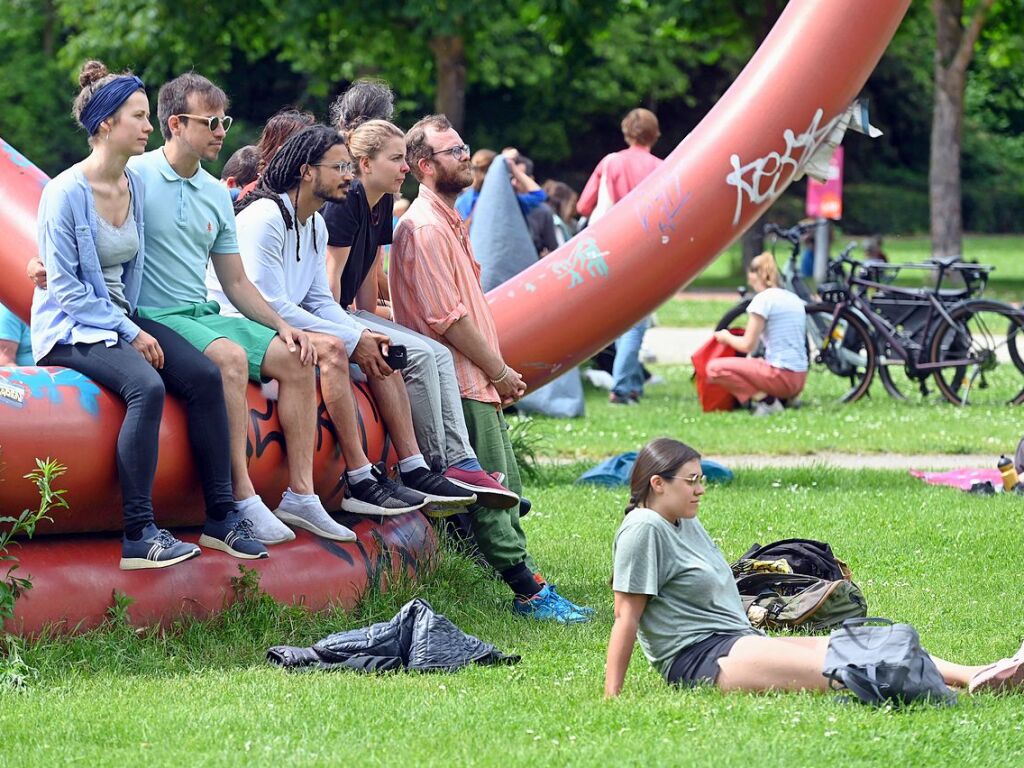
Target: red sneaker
{"x": 489, "y": 492}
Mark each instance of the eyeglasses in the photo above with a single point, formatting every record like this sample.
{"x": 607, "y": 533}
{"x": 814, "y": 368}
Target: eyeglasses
{"x": 213, "y": 123}
{"x": 458, "y": 152}
{"x": 691, "y": 480}
{"x": 339, "y": 167}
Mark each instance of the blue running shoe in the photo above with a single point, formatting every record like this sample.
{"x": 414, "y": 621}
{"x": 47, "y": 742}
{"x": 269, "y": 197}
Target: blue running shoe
{"x": 548, "y": 605}
{"x": 156, "y": 549}
{"x": 585, "y": 610}
{"x": 234, "y": 535}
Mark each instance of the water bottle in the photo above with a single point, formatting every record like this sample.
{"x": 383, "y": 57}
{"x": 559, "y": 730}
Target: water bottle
{"x": 1009, "y": 473}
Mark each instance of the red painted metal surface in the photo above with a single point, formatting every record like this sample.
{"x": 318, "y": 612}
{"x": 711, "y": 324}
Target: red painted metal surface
{"x": 60, "y": 414}
{"x": 712, "y": 187}
{"x": 74, "y": 577}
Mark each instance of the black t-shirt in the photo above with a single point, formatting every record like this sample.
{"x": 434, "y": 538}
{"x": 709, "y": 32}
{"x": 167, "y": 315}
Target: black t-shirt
{"x": 351, "y": 223}
{"x": 541, "y": 223}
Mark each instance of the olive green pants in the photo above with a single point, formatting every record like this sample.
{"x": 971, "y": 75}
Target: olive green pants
{"x": 497, "y": 531}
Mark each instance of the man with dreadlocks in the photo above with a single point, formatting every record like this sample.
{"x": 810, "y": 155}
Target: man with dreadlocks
{"x": 283, "y": 239}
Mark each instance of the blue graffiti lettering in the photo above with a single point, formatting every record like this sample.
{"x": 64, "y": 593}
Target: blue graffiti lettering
{"x": 44, "y": 383}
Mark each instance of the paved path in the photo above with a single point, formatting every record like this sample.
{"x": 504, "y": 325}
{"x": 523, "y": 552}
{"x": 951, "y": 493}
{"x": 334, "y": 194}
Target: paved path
{"x": 674, "y": 345}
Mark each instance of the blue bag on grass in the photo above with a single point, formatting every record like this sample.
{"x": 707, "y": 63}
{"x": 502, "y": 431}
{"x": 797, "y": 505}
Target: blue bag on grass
{"x": 615, "y": 471}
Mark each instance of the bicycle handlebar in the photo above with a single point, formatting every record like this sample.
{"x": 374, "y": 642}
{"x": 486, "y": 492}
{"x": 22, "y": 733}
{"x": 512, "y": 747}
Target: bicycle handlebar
{"x": 792, "y": 234}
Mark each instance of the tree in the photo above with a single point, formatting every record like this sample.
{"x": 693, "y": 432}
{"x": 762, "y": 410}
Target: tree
{"x": 954, "y": 50}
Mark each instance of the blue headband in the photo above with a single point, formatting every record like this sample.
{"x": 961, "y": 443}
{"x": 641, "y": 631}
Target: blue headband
{"x": 107, "y": 100}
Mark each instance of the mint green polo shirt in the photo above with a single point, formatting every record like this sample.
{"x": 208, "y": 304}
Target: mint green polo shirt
{"x": 186, "y": 221}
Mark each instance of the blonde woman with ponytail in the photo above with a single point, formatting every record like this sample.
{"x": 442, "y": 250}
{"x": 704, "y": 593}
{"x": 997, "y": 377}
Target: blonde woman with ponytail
{"x": 777, "y": 317}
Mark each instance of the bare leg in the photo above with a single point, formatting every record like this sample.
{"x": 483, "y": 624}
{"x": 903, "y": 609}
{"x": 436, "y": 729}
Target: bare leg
{"x": 795, "y": 664}
{"x": 297, "y": 411}
{"x": 336, "y": 388}
{"x": 393, "y": 401}
{"x": 234, "y": 373}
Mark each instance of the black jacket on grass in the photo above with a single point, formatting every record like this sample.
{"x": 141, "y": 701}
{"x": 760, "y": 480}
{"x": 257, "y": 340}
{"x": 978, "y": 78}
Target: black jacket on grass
{"x": 416, "y": 639}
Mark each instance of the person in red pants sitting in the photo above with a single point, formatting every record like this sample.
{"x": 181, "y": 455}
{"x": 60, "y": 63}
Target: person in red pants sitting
{"x": 776, "y": 316}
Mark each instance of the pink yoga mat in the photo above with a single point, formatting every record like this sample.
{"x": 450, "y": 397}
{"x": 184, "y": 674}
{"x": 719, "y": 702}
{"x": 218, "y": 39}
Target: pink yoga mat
{"x": 961, "y": 478}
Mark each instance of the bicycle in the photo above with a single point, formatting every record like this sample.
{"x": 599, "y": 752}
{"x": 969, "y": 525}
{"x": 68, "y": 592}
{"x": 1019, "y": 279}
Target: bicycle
{"x": 972, "y": 348}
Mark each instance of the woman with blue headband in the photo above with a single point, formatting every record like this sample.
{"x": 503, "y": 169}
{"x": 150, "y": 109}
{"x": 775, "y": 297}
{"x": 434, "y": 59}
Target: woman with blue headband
{"x": 90, "y": 234}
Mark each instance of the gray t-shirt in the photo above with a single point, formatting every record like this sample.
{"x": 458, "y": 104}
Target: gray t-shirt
{"x": 693, "y": 592}
{"x": 785, "y": 337}
{"x": 115, "y": 247}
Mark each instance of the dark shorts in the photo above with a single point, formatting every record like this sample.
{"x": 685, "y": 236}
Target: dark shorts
{"x": 697, "y": 664}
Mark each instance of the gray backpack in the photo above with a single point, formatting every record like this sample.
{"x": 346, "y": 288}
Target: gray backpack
{"x": 883, "y": 663}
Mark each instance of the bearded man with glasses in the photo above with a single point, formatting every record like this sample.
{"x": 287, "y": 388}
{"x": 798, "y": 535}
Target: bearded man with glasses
{"x": 435, "y": 287}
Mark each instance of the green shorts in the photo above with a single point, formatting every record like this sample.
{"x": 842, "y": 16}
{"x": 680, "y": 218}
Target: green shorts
{"x": 201, "y": 325}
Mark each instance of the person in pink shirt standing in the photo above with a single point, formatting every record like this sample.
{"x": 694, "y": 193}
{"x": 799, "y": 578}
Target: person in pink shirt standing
{"x": 615, "y": 177}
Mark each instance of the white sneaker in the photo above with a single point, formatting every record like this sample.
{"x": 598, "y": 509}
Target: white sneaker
{"x": 761, "y": 408}
{"x": 307, "y": 512}
{"x": 266, "y": 528}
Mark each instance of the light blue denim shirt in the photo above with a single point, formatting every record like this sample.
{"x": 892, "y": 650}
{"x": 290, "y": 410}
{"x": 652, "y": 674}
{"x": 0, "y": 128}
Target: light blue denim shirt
{"x": 75, "y": 306}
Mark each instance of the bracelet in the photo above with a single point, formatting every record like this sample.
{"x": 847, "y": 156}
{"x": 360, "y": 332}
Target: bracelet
{"x": 501, "y": 378}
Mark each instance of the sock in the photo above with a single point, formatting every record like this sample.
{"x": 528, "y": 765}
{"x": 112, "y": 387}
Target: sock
{"x": 469, "y": 465}
{"x": 135, "y": 532}
{"x": 222, "y": 509}
{"x": 298, "y": 498}
{"x": 358, "y": 475}
{"x": 410, "y": 463}
{"x": 521, "y": 581}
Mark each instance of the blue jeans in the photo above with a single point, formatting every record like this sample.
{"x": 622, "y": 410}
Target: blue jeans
{"x": 627, "y": 373}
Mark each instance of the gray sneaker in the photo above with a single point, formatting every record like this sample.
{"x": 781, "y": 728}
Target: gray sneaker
{"x": 266, "y": 528}
{"x": 312, "y": 516}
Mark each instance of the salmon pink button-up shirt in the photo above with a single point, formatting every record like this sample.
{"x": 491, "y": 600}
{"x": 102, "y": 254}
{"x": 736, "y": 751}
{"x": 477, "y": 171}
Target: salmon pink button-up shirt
{"x": 435, "y": 281}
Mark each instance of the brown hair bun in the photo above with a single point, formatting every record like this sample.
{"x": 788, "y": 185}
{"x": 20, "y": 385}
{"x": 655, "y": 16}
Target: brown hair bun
{"x": 91, "y": 72}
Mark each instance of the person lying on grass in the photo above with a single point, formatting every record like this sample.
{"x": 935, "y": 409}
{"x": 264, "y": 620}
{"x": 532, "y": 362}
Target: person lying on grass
{"x": 675, "y": 590}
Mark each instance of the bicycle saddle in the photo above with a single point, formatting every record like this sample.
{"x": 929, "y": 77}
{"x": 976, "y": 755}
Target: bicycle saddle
{"x": 947, "y": 261}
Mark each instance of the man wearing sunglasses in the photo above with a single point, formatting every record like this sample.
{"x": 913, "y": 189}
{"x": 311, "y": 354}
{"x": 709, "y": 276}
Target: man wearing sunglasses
{"x": 188, "y": 222}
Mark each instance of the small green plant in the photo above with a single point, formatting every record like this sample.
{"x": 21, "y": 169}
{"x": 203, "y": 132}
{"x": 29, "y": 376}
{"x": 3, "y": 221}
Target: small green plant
{"x": 246, "y": 585}
{"x": 527, "y": 443}
{"x": 117, "y": 613}
{"x": 11, "y": 586}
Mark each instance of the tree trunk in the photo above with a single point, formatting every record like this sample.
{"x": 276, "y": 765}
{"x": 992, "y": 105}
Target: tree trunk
{"x": 954, "y": 49}
{"x": 450, "y": 59}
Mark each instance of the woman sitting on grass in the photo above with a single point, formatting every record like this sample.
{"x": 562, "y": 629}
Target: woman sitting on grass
{"x": 675, "y": 590}
{"x": 778, "y": 316}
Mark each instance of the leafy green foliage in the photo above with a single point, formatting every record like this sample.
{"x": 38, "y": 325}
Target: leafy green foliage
{"x": 11, "y": 586}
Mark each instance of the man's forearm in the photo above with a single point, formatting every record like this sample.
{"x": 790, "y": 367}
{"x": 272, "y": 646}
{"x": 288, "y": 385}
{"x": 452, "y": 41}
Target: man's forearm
{"x": 466, "y": 337}
{"x": 250, "y": 302}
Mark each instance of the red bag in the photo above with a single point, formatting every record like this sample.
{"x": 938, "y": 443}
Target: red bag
{"x": 713, "y": 397}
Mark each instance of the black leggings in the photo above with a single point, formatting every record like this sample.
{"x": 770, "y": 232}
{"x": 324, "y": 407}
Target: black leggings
{"x": 187, "y": 374}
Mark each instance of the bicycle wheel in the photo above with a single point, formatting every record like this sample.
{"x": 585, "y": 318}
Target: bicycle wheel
{"x": 986, "y": 339}
{"x": 893, "y": 373}
{"x": 842, "y": 348}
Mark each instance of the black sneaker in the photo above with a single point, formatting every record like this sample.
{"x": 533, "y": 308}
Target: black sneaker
{"x": 235, "y": 535}
{"x": 380, "y": 496}
{"x": 437, "y": 489}
{"x": 156, "y": 549}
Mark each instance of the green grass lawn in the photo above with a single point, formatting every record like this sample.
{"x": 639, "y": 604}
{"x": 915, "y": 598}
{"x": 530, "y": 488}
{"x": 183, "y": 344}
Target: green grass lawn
{"x": 201, "y": 694}
{"x": 875, "y": 424}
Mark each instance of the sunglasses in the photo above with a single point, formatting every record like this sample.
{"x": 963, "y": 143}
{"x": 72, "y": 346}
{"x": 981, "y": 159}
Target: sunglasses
{"x": 458, "y": 152}
{"x": 691, "y": 480}
{"x": 339, "y": 167}
{"x": 213, "y": 123}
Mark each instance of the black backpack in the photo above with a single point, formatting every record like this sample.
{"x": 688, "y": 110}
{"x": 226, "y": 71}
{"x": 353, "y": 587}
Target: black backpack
{"x": 797, "y": 584}
{"x": 806, "y": 556}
